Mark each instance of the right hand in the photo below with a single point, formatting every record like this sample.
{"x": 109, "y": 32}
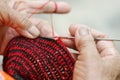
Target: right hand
{"x": 97, "y": 60}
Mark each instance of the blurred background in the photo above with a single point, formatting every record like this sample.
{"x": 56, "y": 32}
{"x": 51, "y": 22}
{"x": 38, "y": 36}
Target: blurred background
{"x": 102, "y": 15}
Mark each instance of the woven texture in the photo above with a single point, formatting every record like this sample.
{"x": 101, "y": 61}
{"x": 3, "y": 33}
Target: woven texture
{"x": 38, "y": 59}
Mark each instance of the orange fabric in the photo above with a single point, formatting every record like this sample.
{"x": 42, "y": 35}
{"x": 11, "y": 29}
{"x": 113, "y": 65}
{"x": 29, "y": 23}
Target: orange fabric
{"x": 5, "y": 76}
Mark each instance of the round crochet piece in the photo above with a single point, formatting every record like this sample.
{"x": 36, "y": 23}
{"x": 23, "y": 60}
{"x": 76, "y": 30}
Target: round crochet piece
{"x": 38, "y": 59}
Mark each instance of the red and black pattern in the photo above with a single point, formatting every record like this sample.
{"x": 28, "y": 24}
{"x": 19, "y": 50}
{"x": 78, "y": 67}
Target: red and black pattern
{"x": 38, "y": 59}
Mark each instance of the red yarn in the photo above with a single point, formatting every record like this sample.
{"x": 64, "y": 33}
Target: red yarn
{"x": 51, "y": 17}
{"x": 39, "y": 8}
{"x": 56, "y": 7}
{"x": 38, "y": 59}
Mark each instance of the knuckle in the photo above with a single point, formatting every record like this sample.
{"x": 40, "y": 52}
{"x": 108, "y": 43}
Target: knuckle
{"x": 25, "y": 22}
{"x": 83, "y": 43}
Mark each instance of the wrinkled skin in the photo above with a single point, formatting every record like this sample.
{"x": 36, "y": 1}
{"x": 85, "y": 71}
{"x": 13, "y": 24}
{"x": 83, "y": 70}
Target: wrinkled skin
{"x": 97, "y": 60}
{"x": 14, "y": 19}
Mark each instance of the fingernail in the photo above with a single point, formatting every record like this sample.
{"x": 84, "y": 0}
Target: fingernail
{"x": 27, "y": 34}
{"x": 83, "y": 31}
{"x": 34, "y": 31}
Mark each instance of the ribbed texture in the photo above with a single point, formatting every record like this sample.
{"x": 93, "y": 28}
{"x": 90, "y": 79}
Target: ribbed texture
{"x": 38, "y": 59}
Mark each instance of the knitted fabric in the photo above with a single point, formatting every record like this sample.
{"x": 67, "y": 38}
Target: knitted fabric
{"x": 38, "y": 59}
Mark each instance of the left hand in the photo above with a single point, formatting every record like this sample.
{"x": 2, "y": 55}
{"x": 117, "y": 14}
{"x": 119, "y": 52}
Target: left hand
{"x": 27, "y": 7}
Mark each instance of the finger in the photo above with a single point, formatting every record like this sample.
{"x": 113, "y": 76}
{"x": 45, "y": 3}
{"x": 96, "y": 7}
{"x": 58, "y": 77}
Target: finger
{"x": 85, "y": 43}
{"x": 87, "y": 52}
{"x": 106, "y": 48}
{"x": 69, "y": 42}
{"x": 22, "y": 25}
{"x": 74, "y": 27}
{"x": 17, "y": 21}
{"x": 43, "y": 26}
{"x": 96, "y": 34}
{"x": 47, "y": 6}
{"x": 46, "y": 31}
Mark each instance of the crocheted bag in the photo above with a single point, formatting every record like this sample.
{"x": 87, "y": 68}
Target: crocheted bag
{"x": 38, "y": 59}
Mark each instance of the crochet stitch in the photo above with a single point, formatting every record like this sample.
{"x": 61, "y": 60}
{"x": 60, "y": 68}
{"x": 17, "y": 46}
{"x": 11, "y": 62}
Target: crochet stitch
{"x": 38, "y": 59}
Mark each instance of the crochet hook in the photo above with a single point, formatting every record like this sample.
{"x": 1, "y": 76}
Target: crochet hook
{"x": 104, "y": 39}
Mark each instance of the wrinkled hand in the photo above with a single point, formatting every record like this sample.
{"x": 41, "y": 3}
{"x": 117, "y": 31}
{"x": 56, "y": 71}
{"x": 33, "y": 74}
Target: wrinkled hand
{"x": 15, "y": 13}
{"x": 97, "y": 60}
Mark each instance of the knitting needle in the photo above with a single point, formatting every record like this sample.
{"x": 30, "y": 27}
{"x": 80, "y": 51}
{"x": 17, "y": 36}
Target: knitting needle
{"x": 103, "y": 39}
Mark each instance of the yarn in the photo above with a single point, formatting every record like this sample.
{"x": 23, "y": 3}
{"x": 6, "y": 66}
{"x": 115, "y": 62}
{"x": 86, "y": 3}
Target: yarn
{"x": 51, "y": 16}
{"x": 38, "y": 59}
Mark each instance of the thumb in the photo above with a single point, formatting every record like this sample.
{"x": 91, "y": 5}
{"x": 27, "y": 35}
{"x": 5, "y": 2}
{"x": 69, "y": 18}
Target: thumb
{"x": 85, "y": 44}
{"x": 89, "y": 58}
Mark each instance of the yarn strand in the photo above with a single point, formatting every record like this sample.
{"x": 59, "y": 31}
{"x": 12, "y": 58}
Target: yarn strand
{"x": 39, "y": 8}
{"x": 51, "y": 15}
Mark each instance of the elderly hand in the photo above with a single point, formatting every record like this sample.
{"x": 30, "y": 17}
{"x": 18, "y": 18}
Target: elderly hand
{"x": 15, "y": 13}
{"x": 97, "y": 60}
